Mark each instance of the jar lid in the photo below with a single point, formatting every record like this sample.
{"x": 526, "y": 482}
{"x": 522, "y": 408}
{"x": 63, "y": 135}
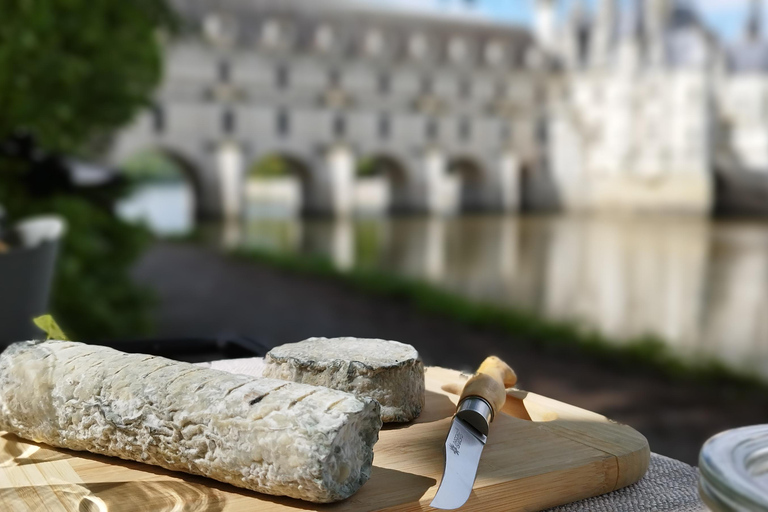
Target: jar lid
{"x": 733, "y": 469}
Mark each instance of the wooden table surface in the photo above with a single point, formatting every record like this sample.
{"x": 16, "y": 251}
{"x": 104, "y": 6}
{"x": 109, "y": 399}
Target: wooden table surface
{"x": 540, "y": 453}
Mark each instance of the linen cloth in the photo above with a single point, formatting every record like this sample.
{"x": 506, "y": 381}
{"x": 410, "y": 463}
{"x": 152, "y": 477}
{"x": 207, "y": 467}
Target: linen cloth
{"x": 669, "y": 485}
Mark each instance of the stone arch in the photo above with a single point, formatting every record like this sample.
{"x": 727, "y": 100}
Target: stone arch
{"x": 400, "y": 184}
{"x": 474, "y": 184}
{"x": 280, "y": 164}
{"x": 191, "y": 170}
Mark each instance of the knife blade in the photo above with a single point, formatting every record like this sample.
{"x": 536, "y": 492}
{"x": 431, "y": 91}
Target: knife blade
{"x": 481, "y": 400}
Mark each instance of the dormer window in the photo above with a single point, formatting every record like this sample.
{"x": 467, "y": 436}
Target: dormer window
{"x": 374, "y": 43}
{"x": 385, "y": 84}
{"x": 271, "y": 33}
{"x": 219, "y": 30}
{"x": 426, "y": 85}
{"x": 457, "y": 50}
{"x": 494, "y": 53}
{"x": 324, "y": 38}
{"x": 418, "y": 46}
{"x": 534, "y": 59}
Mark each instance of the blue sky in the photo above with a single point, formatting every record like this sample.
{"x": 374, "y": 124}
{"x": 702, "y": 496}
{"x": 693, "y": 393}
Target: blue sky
{"x": 726, "y": 17}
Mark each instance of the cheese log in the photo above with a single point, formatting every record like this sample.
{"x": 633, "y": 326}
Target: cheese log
{"x": 387, "y": 371}
{"x": 266, "y": 435}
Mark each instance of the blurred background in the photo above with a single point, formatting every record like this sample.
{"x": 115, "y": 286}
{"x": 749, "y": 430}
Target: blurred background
{"x": 591, "y": 176}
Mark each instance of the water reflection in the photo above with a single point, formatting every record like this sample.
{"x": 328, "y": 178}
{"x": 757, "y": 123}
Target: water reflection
{"x": 168, "y": 208}
{"x": 699, "y": 284}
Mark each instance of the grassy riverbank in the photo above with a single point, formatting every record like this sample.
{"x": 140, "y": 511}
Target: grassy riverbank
{"x": 647, "y": 353}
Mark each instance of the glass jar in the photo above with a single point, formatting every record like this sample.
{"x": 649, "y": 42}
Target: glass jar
{"x": 733, "y": 469}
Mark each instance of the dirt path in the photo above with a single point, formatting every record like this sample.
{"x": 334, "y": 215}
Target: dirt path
{"x": 204, "y": 293}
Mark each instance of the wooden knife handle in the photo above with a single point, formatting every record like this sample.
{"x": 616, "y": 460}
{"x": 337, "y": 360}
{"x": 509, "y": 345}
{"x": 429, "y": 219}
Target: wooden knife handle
{"x": 490, "y": 383}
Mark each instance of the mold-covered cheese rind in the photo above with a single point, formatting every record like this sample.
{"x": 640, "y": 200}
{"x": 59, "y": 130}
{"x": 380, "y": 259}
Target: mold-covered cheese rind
{"x": 267, "y": 435}
{"x": 387, "y": 371}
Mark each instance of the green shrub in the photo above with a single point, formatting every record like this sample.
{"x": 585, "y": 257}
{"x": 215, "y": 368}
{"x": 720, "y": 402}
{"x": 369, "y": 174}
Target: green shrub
{"x": 70, "y": 72}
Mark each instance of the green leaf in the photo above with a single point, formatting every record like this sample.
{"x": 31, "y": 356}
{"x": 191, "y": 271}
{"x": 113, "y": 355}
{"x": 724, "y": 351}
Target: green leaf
{"x": 51, "y": 328}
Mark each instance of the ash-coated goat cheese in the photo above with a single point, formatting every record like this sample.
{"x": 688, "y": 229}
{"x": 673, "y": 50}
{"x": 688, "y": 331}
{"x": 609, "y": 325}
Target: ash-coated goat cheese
{"x": 267, "y": 435}
{"x": 388, "y": 371}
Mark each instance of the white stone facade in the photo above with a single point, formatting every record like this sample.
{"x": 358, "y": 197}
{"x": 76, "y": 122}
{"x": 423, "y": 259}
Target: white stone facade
{"x": 631, "y": 119}
{"x": 325, "y": 85}
{"x": 621, "y": 109}
{"x": 633, "y": 143}
{"x": 653, "y": 113}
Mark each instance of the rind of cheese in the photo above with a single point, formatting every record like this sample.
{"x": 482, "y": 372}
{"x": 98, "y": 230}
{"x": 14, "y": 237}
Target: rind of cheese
{"x": 266, "y": 435}
{"x": 387, "y": 371}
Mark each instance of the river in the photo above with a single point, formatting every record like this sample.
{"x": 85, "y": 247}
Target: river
{"x": 699, "y": 284}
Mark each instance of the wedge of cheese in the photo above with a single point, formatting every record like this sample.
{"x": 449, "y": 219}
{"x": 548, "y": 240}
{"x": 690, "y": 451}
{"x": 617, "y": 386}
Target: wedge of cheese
{"x": 387, "y": 371}
{"x": 266, "y": 435}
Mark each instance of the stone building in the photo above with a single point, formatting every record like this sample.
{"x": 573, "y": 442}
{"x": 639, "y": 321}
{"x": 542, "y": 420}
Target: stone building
{"x": 324, "y": 84}
{"x": 741, "y": 167}
{"x": 626, "y": 108}
{"x": 652, "y": 112}
{"x": 632, "y": 115}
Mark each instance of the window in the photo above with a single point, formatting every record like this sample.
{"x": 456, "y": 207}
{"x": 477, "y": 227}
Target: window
{"x": 228, "y": 121}
{"x": 505, "y": 132}
{"x": 224, "y": 71}
{"x": 271, "y": 33}
{"x": 457, "y": 49}
{"x": 465, "y": 88}
{"x": 374, "y": 43}
{"x": 542, "y": 132}
{"x": 283, "y": 122}
{"x": 384, "y": 83}
{"x": 282, "y": 77}
{"x": 219, "y": 30}
{"x": 158, "y": 119}
{"x": 465, "y": 129}
{"x": 339, "y": 125}
{"x": 334, "y": 78}
{"x": 501, "y": 89}
{"x": 431, "y": 129}
{"x": 418, "y": 46}
{"x": 426, "y": 85}
{"x": 384, "y": 127}
{"x": 494, "y": 53}
{"x": 324, "y": 38}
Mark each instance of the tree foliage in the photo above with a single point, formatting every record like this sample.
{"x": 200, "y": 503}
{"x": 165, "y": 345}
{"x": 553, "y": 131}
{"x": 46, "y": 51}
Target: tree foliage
{"x": 70, "y": 72}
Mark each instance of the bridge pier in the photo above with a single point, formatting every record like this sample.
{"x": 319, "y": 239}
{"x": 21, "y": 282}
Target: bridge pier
{"x": 217, "y": 175}
{"x": 503, "y": 185}
{"x": 207, "y": 186}
{"x": 231, "y": 173}
{"x": 329, "y": 190}
{"x": 488, "y": 184}
{"x": 423, "y": 190}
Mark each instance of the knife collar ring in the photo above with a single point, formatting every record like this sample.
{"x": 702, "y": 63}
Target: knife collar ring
{"x": 476, "y": 411}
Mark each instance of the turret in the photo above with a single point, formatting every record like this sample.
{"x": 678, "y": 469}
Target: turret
{"x": 632, "y": 46}
{"x": 545, "y": 24}
{"x": 576, "y": 36}
{"x": 657, "y": 14}
{"x": 754, "y": 29}
{"x": 604, "y": 34}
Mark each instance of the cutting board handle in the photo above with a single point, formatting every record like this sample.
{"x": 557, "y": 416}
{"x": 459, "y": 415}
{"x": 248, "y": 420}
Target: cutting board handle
{"x": 490, "y": 383}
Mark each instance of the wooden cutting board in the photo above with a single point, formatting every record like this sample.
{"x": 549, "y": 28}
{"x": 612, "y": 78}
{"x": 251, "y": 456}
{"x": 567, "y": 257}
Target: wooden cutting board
{"x": 540, "y": 453}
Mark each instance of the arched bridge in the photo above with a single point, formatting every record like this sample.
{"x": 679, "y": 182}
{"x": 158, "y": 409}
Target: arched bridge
{"x": 430, "y": 101}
